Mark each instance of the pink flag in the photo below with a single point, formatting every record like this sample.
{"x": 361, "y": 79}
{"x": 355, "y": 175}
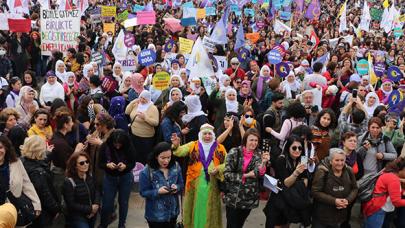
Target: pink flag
{"x": 146, "y": 17}
{"x": 173, "y": 24}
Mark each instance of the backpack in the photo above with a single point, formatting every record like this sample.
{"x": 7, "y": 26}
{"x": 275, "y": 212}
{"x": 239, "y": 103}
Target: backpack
{"x": 366, "y": 187}
{"x": 117, "y": 111}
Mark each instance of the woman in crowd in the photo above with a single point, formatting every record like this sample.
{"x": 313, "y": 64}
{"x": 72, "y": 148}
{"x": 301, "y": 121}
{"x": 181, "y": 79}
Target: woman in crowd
{"x": 144, "y": 118}
{"x": 194, "y": 118}
{"x": 60, "y": 71}
{"x": 390, "y": 130}
{"x": 41, "y": 124}
{"x": 8, "y": 120}
{"x": 30, "y": 80}
{"x": 324, "y": 123}
{"x": 125, "y": 86}
{"x": 243, "y": 167}
{"x": 14, "y": 177}
{"x": 161, "y": 183}
{"x": 27, "y": 104}
{"x": 103, "y": 127}
{"x": 79, "y": 192}
{"x": 171, "y": 123}
{"x": 202, "y": 202}
{"x": 245, "y": 96}
{"x": 375, "y": 148}
{"x": 227, "y": 104}
{"x": 291, "y": 171}
{"x": 34, "y": 154}
{"x": 372, "y": 101}
{"x": 388, "y": 185}
{"x": 175, "y": 94}
{"x": 248, "y": 120}
{"x": 137, "y": 86}
{"x": 117, "y": 158}
{"x": 260, "y": 84}
{"x": 51, "y": 90}
{"x": 117, "y": 73}
{"x": 175, "y": 82}
{"x": 14, "y": 92}
{"x": 334, "y": 188}
{"x": 230, "y": 132}
{"x": 297, "y": 113}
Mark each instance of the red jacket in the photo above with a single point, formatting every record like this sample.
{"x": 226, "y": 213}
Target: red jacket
{"x": 239, "y": 74}
{"x": 387, "y": 182}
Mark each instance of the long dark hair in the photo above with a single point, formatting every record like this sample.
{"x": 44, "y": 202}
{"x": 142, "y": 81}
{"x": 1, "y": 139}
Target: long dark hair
{"x": 158, "y": 149}
{"x": 286, "y": 150}
{"x": 173, "y": 112}
{"x": 236, "y": 136}
{"x": 10, "y": 155}
{"x": 333, "y": 120}
{"x": 119, "y": 136}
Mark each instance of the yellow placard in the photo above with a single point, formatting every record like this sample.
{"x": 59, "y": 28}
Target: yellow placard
{"x": 161, "y": 80}
{"x": 186, "y": 45}
{"x": 201, "y": 13}
{"x": 108, "y": 11}
{"x": 109, "y": 27}
{"x": 402, "y": 18}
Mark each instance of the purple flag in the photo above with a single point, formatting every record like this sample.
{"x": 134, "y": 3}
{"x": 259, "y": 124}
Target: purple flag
{"x": 240, "y": 37}
{"x": 313, "y": 10}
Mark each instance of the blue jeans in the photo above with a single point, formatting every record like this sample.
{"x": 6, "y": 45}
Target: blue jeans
{"x": 376, "y": 220}
{"x": 80, "y": 222}
{"x": 112, "y": 185}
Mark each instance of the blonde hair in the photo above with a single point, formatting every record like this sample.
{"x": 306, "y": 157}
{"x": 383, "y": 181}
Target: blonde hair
{"x": 34, "y": 147}
{"x": 7, "y": 112}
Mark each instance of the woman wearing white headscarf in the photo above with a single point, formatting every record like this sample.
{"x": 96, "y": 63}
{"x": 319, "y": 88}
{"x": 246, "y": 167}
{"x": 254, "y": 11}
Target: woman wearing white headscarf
{"x": 260, "y": 84}
{"x": 125, "y": 84}
{"x": 60, "y": 71}
{"x": 290, "y": 86}
{"x": 84, "y": 84}
{"x": 117, "y": 72}
{"x": 26, "y": 105}
{"x": 144, "y": 118}
{"x": 175, "y": 82}
{"x": 226, "y": 104}
{"x": 194, "y": 118}
{"x": 371, "y": 103}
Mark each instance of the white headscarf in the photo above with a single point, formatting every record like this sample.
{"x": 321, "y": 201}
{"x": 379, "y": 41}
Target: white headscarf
{"x": 206, "y": 146}
{"x": 265, "y": 67}
{"x": 143, "y": 107}
{"x": 370, "y": 109}
{"x": 194, "y": 108}
{"x": 117, "y": 77}
{"x": 290, "y": 86}
{"x": 170, "y": 95}
{"x": 127, "y": 74}
{"x": 86, "y": 68}
{"x": 68, "y": 74}
{"x": 178, "y": 77}
{"x": 231, "y": 106}
{"x": 61, "y": 76}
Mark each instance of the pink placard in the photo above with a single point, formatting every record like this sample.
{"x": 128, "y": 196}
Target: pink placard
{"x": 146, "y": 17}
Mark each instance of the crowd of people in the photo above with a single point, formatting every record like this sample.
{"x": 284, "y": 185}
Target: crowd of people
{"x": 313, "y": 97}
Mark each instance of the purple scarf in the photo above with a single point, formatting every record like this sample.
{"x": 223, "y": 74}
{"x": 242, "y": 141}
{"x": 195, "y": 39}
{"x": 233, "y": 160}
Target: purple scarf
{"x": 206, "y": 162}
{"x": 259, "y": 88}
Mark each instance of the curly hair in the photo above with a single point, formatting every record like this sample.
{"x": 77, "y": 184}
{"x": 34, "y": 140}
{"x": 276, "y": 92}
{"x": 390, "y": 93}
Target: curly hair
{"x": 39, "y": 112}
{"x": 333, "y": 120}
{"x": 296, "y": 110}
{"x": 7, "y": 112}
{"x": 71, "y": 164}
{"x": 10, "y": 155}
{"x": 34, "y": 147}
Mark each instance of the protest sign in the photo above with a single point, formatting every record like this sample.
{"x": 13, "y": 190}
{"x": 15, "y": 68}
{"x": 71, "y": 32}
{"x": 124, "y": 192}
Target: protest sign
{"x": 379, "y": 69}
{"x": 3, "y": 22}
{"x": 136, "y": 8}
{"x": 285, "y": 15}
{"x": 161, "y": 80}
{"x": 394, "y": 98}
{"x": 169, "y": 45}
{"x": 19, "y": 25}
{"x": 109, "y": 27}
{"x": 394, "y": 73}
{"x": 108, "y": 11}
{"x": 208, "y": 44}
{"x": 402, "y": 18}
{"x": 59, "y": 30}
{"x": 129, "y": 63}
{"x": 96, "y": 57}
{"x": 147, "y": 57}
{"x": 249, "y": 12}
{"x": 362, "y": 67}
{"x": 376, "y": 14}
{"x": 243, "y": 54}
{"x": 186, "y": 45}
{"x": 274, "y": 57}
{"x": 187, "y": 5}
{"x": 201, "y": 13}
{"x": 210, "y": 11}
{"x": 129, "y": 39}
{"x": 282, "y": 69}
{"x": 146, "y": 17}
{"x": 253, "y": 37}
{"x": 123, "y": 16}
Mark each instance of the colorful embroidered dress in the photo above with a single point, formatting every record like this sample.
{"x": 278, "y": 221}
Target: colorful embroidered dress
{"x": 202, "y": 203}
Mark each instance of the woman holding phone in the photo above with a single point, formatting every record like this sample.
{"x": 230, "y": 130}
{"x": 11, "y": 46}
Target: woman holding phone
{"x": 161, "y": 183}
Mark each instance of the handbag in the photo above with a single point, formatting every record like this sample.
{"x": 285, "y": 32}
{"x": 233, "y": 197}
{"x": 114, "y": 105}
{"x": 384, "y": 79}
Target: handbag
{"x": 25, "y": 209}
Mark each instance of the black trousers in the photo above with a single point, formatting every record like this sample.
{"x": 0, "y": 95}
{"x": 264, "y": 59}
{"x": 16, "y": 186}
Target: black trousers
{"x": 235, "y": 218}
{"x": 170, "y": 224}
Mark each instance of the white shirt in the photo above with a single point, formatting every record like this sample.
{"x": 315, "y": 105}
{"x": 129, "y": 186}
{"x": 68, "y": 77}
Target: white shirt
{"x": 51, "y": 92}
{"x": 11, "y": 99}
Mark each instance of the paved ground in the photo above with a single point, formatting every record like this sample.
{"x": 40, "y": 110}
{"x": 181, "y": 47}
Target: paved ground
{"x": 256, "y": 218}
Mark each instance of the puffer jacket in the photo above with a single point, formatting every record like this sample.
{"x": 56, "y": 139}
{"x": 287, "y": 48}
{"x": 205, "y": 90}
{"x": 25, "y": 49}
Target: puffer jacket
{"x": 41, "y": 178}
{"x": 326, "y": 187}
{"x": 241, "y": 195}
{"x": 80, "y": 196}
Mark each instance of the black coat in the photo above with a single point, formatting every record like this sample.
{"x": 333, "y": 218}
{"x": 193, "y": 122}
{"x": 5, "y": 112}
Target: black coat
{"x": 41, "y": 178}
{"x": 80, "y": 198}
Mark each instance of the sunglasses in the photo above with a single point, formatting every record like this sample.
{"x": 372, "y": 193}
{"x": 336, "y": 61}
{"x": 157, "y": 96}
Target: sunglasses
{"x": 238, "y": 82}
{"x": 84, "y": 162}
{"x": 296, "y": 148}
{"x": 235, "y": 64}
{"x": 248, "y": 116}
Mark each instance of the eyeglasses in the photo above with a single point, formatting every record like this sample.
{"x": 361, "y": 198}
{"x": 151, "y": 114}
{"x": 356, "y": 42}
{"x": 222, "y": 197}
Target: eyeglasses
{"x": 248, "y": 116}
{"x": 84, "y": 162}
{"x": 238, "y": 82}
{"x": 235, "y": 64}
{"x": 296, "y": 148}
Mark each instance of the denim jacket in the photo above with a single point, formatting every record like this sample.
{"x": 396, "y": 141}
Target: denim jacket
{"x": 160, "y": 208}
